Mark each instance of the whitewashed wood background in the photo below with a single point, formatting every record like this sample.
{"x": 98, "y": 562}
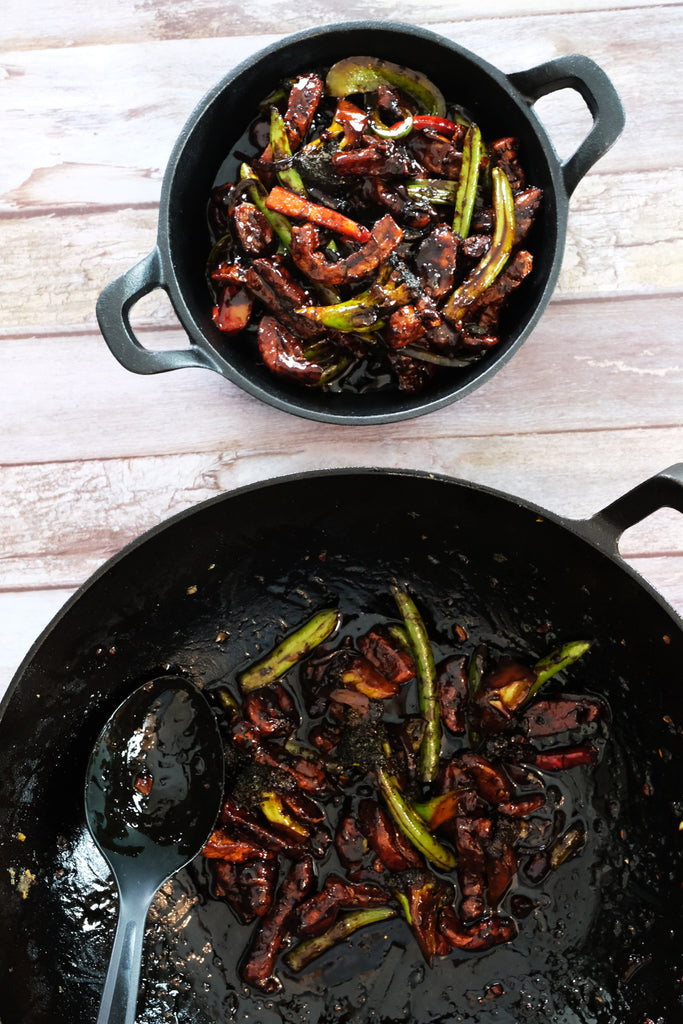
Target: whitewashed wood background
{"x": 92, "y": 97}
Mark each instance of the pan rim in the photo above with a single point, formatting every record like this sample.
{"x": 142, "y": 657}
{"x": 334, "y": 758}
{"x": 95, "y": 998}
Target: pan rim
{"x": 579, "y": 528}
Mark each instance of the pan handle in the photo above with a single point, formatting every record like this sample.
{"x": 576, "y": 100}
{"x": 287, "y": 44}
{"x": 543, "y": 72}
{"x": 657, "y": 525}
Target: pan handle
{"x": 585, "y": 76}
{"x": 113, "y": 315}
{"x": 664, "y": 490}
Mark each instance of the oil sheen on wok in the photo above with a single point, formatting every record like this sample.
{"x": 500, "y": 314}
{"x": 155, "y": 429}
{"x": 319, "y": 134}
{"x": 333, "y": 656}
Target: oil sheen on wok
{"x": 376, "y": 779}
{"x": 367, "y": 236}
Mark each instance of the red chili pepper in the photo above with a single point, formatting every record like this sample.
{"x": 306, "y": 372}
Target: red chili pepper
{"x": 280, "y": 200}
{"x": 385, "y": 838}
{"x": 361, "y": 675}
{"x": 519, "y": 807}
{"x": 297, "y": 885}
{"x": 248, "y": 888}
{"x": 482, "y": 935}
{"x": 383, "y": 651}
{"x": 144, "y": 783}
{"x": 231, "y": 314}
{"x": 561, "y": 759}
{"x": 222, "y": 846}
{"x": 441, "y": 124}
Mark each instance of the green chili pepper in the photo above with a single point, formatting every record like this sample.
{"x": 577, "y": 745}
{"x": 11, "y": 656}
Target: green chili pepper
{"x": 405, "y": 906}
{"x": 364, "y": 74}
{"x": 467, "y": 185}
{"x": 228, "y": 702}
{"x": 274, "y": 811}
{"x": 430, "y": 748}
{"x": 291, "y": 651}
{"x": 475, "y": 669}
{"x": 222, "y": 252}
{"x": 362, "y": 312}
{"x": 438, "y": 809}
{"x": 434, "y": 190}
{"x": 356, "y": 314}
{"x": 567, "y": 845}
{"x": 257, "y": 193}
{"x": 302, "y": 955}
{"x": 554, "y": 662}
{"x": 334, "y": 370}
{"x": 491, "y": 264}
{"x": 411, "y": 824}
{"x": 281, "y": 150}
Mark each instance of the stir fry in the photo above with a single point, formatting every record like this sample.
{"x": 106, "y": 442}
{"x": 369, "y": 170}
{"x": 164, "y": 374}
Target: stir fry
{"x": 373, "y": 776}
{"x": 372, "y": 236}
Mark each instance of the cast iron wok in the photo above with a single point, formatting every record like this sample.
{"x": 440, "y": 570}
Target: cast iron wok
{"x": 501, "y": 104}
{"x": 197, "y": 594}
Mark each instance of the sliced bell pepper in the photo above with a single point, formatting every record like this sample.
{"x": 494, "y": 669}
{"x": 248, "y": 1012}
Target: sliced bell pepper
{"x": 439, "y": 124}
{"x": 434, "y": 190}
{"x": 280, "y": 200}
{"x": 364, "y": 74}
{"x": 276, "y": 813}
{"x": 395, "y": 131}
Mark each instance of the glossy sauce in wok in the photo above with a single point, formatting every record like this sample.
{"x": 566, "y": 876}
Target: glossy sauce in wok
{"x": 602, "y": 943}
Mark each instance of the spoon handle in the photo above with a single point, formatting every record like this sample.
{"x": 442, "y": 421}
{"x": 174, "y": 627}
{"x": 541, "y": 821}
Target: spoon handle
{"x": 120, "y": 995}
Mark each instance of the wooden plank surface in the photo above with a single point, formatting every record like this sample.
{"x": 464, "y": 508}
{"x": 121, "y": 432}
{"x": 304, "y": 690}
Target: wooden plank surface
{"x": 92, "y": 100}
{"x": 78, "y": 23}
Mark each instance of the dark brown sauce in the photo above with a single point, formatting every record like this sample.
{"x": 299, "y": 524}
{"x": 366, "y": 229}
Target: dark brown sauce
{"x": 379, "y": 975}
{"x": 146, "y": 776}
{"x": 373, "y": 367}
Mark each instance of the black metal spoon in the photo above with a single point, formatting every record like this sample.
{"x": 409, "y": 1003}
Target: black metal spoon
{"x": 152, "y": 794}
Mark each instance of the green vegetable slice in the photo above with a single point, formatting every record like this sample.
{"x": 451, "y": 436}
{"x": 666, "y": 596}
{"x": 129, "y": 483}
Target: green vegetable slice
{"x": 364, "y": 74}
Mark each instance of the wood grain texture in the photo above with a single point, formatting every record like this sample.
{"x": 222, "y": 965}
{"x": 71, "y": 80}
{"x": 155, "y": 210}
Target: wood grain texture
{"x": 92, "y": 100}
{"x": 113, "y": 112}
{"x": 607, "y": 254}
{"x": 66, "y": 518}
{"x": 588, "y": 366}
{"x": 78, "y": 23}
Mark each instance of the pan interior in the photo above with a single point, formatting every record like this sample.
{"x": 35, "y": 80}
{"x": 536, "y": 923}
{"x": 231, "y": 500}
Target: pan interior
{"x": 604, "y": 943}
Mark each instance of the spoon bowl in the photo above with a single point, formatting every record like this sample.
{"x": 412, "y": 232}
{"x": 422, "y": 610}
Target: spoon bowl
{"x": 152, "y": 794}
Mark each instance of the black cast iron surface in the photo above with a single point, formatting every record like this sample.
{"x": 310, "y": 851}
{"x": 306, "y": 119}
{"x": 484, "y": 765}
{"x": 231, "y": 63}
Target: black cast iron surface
{"x": 213, "y": 586}
{"x": 501, "y": 104}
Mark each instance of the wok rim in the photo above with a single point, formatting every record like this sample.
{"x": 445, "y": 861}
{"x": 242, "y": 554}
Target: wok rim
{"x": 585, "y": 530}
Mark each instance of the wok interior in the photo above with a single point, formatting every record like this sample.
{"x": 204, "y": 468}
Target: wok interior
{"x": 261, "y": 560}
{"x": 225, "y": 117}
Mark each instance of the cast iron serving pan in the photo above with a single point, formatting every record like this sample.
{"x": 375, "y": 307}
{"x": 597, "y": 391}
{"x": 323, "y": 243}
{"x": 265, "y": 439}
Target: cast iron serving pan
{"x": 501, "y": 104}
{"x": 198, "y": 594}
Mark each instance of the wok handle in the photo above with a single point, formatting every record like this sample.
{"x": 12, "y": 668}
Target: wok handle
{"x": 587, "y": 78}
{"x": 664, "y": 490}
{"x": 113, "y": 316}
